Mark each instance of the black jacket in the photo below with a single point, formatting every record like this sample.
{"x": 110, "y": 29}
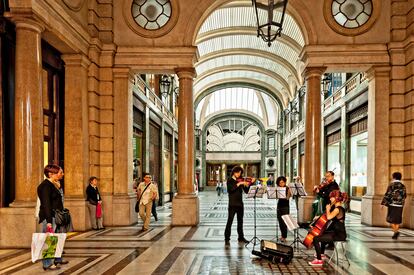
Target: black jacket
{"x": 92, "y": 195}
{"x": 50, "y": 199}
{"x": 326, "y": 190}
{"x": 235, "y": 193}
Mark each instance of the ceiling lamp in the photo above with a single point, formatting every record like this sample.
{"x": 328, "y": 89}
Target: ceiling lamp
{"x": 268, "y": 29}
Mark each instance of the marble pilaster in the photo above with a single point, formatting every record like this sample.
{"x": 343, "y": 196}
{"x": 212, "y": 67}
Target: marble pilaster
{"x": 186, "y": 200}
{"x": 313, "y": 123}
{"x": 123, "y": 200}
{"x": 378, "y": 172}
{"x": 29, "y": 136}
{"x": 76, "y": 139}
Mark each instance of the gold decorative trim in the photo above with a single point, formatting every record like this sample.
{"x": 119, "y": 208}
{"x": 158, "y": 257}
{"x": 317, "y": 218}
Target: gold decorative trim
{"x": 126, "y": 10}
{"x": 330, "y": 20}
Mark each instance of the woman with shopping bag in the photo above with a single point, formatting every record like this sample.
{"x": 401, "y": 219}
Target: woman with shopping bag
{"x": 94, "y": 204}
{"x": 51, "y": 202}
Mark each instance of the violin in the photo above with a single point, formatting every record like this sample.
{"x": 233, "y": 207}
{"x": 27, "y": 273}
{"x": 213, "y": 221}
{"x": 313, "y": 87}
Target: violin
{"x": 323, "y": 184}
{"x": 246, "y": 179}
{"x": 317, "y": 228}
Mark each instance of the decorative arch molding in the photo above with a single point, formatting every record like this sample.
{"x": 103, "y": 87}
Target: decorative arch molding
{"x": 246, "y": 31}
{"x": 228, "y": 115}
{"x": 256, "y": 69}
{"x": 281, "y": 99}
{"x": 296, "y": 9}
{"x": 210, "y": 90}
{"x": 74, "y": 5}
{"x": 273, "y": 57}
{"x": 235, "y": 111}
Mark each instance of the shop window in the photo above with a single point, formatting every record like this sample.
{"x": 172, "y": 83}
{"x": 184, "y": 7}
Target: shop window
{"x": 333, "y": 155}
{"x": 358, "y": 158}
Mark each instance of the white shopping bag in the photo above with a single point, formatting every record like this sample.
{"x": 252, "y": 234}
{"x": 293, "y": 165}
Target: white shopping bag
{"x": 47, "y": 245}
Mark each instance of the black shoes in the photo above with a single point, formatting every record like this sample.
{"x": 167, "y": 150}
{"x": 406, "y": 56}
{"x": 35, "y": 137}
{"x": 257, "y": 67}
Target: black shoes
{"x": 51, "y": 267}
{"x": 227, "y": 242}
{"x": 396, "y": 234}
{"x": 61, "y": 262}
{"x": 243, "y": 240}
{"x": 156, "y": 218}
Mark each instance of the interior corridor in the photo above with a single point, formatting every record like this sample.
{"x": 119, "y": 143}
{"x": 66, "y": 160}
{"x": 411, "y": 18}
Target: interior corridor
{"x": 200, "y": 250}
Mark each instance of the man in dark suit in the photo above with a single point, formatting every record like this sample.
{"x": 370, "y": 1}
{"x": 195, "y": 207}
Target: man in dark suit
{"x": 235, "y": 190}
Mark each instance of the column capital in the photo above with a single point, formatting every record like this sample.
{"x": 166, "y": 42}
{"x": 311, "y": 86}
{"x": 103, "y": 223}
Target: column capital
{"x": 26, "y": 21}
{"x": 76, "y": 60}
{"x": 186, "y": 72}
{"x": 313, "y": 71}
{"x": 123, "y": 73}
{"x": 378, "y": 71}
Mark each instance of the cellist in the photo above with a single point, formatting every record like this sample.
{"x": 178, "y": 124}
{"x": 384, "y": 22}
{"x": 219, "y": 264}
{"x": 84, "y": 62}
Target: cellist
{"x": 335, "y": 212}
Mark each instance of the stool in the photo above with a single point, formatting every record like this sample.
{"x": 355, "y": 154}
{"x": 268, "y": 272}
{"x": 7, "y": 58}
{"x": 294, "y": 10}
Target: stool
{"x": 340, "y": 257}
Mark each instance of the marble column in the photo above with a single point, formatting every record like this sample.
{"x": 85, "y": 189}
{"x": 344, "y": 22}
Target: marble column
{"x": 378, "y": 172}
{"x": 312, "y": 140}
{"x": 29, "y": 136}
{"x": 76, "y": 141}
{"x": 185, "y": 202}
{"x": 123, "y": 201}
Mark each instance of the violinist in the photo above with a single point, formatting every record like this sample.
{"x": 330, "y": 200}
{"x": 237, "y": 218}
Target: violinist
{"x": 235, "y": 189}
{"x": 336, "y": 231}
{"x": 322, "y": 191}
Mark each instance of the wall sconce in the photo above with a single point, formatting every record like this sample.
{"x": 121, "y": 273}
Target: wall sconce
{"x": 167, "y": 86}
{"x": 326, "y": 84}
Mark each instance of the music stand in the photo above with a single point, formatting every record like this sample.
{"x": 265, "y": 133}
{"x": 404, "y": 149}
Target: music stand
{"x": 271, "y": 194}
{"x": 297, "y": 190}
{"x": 292, "y": 225}
{"x": 255, "y": 191}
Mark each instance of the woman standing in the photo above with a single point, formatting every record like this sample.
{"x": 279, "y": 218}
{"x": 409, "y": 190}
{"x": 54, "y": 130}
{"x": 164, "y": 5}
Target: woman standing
{"x": 51, "y": 198}
{"x": 283, "y": 207}
{"x": 94, "y": 204}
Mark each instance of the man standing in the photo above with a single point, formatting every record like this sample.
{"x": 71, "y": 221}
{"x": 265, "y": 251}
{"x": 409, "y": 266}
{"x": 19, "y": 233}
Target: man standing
{"x": 394, "y": 199}
{"x": 146, "y": 194}
{"x": 235, "y": 190}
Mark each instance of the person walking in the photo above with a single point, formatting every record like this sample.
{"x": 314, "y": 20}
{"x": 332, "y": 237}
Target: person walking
{"x": 235, "y": 189}
{"x": 94, "y": 199}
{"x": 146, "y": 194}
{"x": 394, "y": 199}
{"x": 51, "y": 198}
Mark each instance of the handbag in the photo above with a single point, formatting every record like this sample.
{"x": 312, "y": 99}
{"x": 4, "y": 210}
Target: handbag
{"x": 98, "y": 210}
{"x": 62, "y": 217}
{"x": 47, "y": 245}
{"x": 139, "y": 199}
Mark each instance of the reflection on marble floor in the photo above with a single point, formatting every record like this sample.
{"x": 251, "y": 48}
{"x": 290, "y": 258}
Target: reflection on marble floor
{"x": 200, "y": 250}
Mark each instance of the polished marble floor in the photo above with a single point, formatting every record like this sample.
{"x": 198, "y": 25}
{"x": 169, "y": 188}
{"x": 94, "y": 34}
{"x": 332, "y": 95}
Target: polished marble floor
{"x": 200, "y": 250}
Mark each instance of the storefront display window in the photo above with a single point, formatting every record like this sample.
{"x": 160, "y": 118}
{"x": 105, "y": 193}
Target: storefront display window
{"x": 333, "y": 161}
{"x": 358, "y": 164}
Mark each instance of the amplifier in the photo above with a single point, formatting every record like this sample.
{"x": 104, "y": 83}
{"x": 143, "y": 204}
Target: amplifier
{"x": 277, "y": 253}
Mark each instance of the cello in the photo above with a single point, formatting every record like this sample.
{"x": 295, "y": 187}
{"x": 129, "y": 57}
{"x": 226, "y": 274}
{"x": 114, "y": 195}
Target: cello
{"x": 317, "y": 228}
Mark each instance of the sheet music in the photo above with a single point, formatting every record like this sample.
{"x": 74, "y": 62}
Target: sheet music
{"x": 281, "y": 192}
{"x": 271, "y": 192}
{"x": 255, "y": 190}
{"x": 297, "y": 189}
{"x": 290, "y": 222}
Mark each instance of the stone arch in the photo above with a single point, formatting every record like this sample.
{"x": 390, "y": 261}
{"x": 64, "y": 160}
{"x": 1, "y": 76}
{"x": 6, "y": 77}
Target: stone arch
{"x": 295, "y": 8}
